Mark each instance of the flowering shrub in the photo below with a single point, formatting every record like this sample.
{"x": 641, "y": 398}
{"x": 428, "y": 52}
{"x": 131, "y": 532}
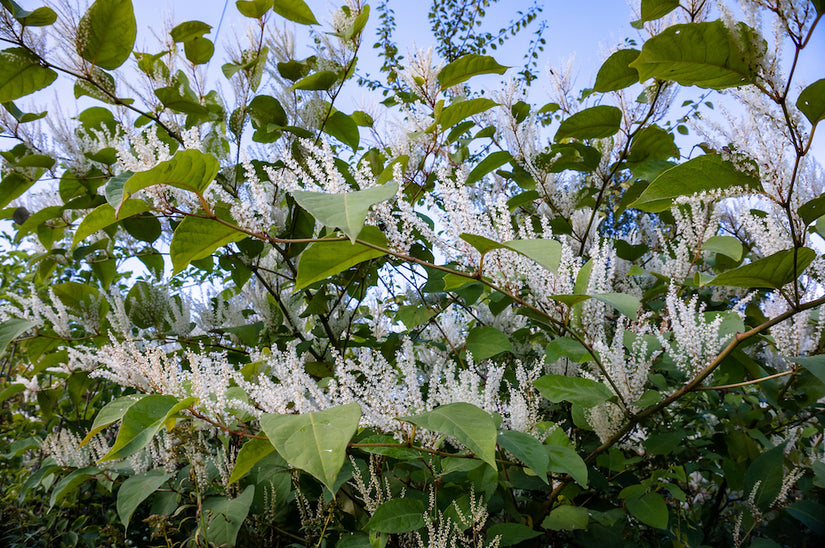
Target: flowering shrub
{"x": 459, "y": 319}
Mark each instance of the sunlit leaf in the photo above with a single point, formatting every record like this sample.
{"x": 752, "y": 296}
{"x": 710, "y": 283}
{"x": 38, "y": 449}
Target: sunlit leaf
{"x": 615, "y": 73}
{"x": 771, "y": 272}
{"x": 295, "y": 10}
{"x": 197, "y": 238}
{"x": 321, "y": 260}
{"x": 346, "y": 211}
{"x": 21, "y": 74}
{"x": 584, "y": 392}
{"x": 467, "y": 66}
{"x": 107, "y": 32}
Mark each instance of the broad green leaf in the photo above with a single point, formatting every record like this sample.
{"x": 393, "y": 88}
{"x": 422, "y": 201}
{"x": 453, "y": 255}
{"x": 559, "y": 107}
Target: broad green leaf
{"x": 810, "y": 513}
{"x": 492, "y": 161}
{"x": 812, "y": 209}
{"x": 527, "y": 449}
{"x": 467, "y": 423}
{"x": 140, "y": 423}
{"x": 584, "y": 392}
{"x": 114, "y": 188}
{"x": 650, "y": 509}
{"x": 253, "y": 8}
{"x": 314, "y": 442}
{"x": 11, "y": 390}
{"x": 137, "y": 489}
{"x": 322, "y": 260}
{"x": 317, "y": 81}
{"x": 572, "y": 156}
{"x": 199, "y": 50}
{"x": 39, "y": 17}
{"x": 11, "y": 329}
{"x": 705, "y": 54}
{"x": 627, "y": 304}
{"x": 226, "y": 516}
{"x": 107, "y": 32}
{"x": 21, "y": 74}
{"x": 814, "y": 364}
{"x": 295, "y": 10}
{"x": 197, "y": 238}
{"x": 811, "y": 101}
{"x": 652, "y": 144}
{"x": 547, "y": 253}
{"x": 616, "y": 73}
{"x": 510, "y": 534}
{"x": 767, "y": 470}
{"x": 457, "y": 112}
{"x": 486, "y": 342}
{"x": 110, "y": 414}
{"x": 565, "y": 460}
{"x": 565, "y": 347}
{"x": 71, "y": 482}
{"x": 190, "y": 170}
{"x": 728, "y": 246}
{"x": 591, "y": 123}
{"x": 343, "y": 128}
{"x": 13, "y": 185}
{"x": 346, "y": 211}
{"x": 188, "y": 30}
{"x": 567, "y": 518}
{"x": 398, "y": 516}
{"x": 413, "y": 315}
{"x": 467, "y": 66}
{"x": 105, "y": 215}
{"x": 701, "y": 174}
{"x": 251, "y": 452}
{"x": 656, "y": 9}
{"x": 772, "y": 272}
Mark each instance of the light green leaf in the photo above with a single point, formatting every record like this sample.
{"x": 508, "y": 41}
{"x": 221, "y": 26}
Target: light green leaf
{"x": 701, "y": 174}
{"x": 706, "y": 54}
{"x": 465, "y": 422}
{"x": 11, "y": 329}
{"x": 811, "y": 101}
{"x": 510, "y": 534}
{"x": 467, "y": 66}
{"x": 584, "y": 392}
{"x": 591, "y": 123}
{"x": 322, "y": 260}
{"x": 627, "y": 304}
{"x": 565, "y": 460}
{"x": 188, "y": 30}
{"x": 486, "y": 342}
{"x": 226, "y": 516}
{"x": 616, "y": 73}
{"x": 772, "y": 272}
{"x": 107, "y": 32}
{"x": 197, "y": 238}
{"x": 343, "y": 128}
{"x": 457, "y": 112}
{"x": 251, "y": 452}
{"x": 527, "y": 449}
{"x": 650, "y": 509}
{"x": 728, "y": 246}
{"x": 656, "y": 9}
{"x": 139, "y": 425}
{"x": 398, "y": 516}
{"x": 199, "y": 50}
{"x": 110, "y": 414}
{"x": 137, "y": 489}
{"x": 565, "y": 347}
{"x": 253, "y": 8}
{"x": 39, "y": 17}
{"x": 814, "y": 364}
{"x": 314, "y": 442}
{"x": 295, "y": 10}
{"x": 13, "y": 185}
{"x": 317, "y": 81}
{"x": 190, "y": 170}
{"x": 105, "y": 215}
{"x": 566, "y": 518}
{"x": 345, "y": 211}
{"x": 547, "y": 253}
{"x": 21, "y": 74}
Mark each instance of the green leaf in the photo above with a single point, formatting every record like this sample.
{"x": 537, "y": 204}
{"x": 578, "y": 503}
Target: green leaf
{"x": 810, "y": 513}
{"x": 197, "y": 238}
{"x": 199, "y": 50}
{"x": 567, "y": 518}
{"x": 616, "y": 73}
{"x": 627, "y": 304}
{"x": 457, "y": 112}
{"x": 105, "y": 215}
{"x": 652, "y": 144}
{"x": 346, "y": 211}
{"x": 771, "y": 272}
{"x": 565, "y": 460}
{"x": 107, "y": 32}
{"x": 69, "y": 483}
{"x": 343, "y": 128}
{"x": 137, "y": 489}
{"x": 39, "y": 17}
{"x": 398, "y": 516}
{"x": 706, "y": 54}
{"x": 140, "y": 423}
{"x": 314, "y": 442}
{"x": 467, "y": 66}
{"x": 565, "y": 347}
{"x": 317, "y": 81}
{"x": 547, "y": 253}
{"x": 486, "y": 342}
{"x": 13, "y": 185}
{"x": 591, "y": 123}
{"x": 21, "y": 74}
{"x": 190, "y": 170}
{"x": 322, "y": 260}
{"x": 650, "y": 509}
{"x": 226, "y": 516}
{"x": 584, "y": 392}
{"x": 768, "y": 471}
{"x": 11, "y": 329}
{"x": 728, "y": 246}
{"x": 510, "y": 534}
{"x": 295, "y": 10}
{"x": 189, "y": 30}
{"x": 465, "y": 422}
{"x": 527, "y": 449}
{"x": 490, "y": 162}
{"x": 812, "y": 209}
{"x": 701, "y": 174}
{"x": 811, "y": 101}
{"x": 110, "y": 414}
{"x": 251, "y": 452}
{"x": 656, "y": 9}
{"x": 814, "y": 364}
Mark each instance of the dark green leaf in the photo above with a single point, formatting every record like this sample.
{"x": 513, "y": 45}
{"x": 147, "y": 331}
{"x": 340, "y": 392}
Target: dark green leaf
{"x": 772, "y": 272}
{"x": 137, "y": 489}
{"x": 107, "y": 32}
{"x": 811, "y": 101}
{"x": 317, "y": 81}
{"x": 585, "y": 392}
{"x": 69, "y": 483}
{"x": 199, "y": 50}
{"x": 343, "y": 128}
{"x": 110, "y": 414}
{"x": 11, "y": 329}
{"x": 226, "y": 515}
{"x": 591, "y": 123}
{"x": 105, "y": 215}
{"x": 565, "y": 460}
{"x": 295, "y": 10}
{"x": 467, "y": 66}
{"x": 457, "y": 112}
{"x": 810, "y": 513}
{"x": 398, "y": 516}
{"x": 650, "y": 509}
{"x": 485, "y": 342}
{"x": 765, "y": 474}
{"x": 21, "y": 74}
{"x": 566, "y": 518}
{"x": 814, "y": 364}
{"x": 615, "y": 73}
{"x": 565, "y": 347}
{"x": 139, "y": 424}
{"x": 527, "y": 449}
{"x": 251, "y": 452}
{"x": 492, "y": 161}
{"x": 511, "y": 533}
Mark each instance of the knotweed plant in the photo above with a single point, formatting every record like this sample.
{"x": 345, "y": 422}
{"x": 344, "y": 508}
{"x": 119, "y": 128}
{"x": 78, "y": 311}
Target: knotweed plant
{"x": 239, "y": 312}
